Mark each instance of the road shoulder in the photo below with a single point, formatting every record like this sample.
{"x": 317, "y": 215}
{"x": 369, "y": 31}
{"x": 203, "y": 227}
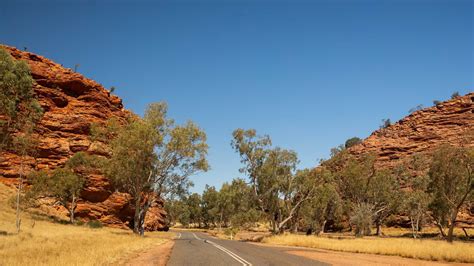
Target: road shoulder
{"x": 158, "y": 255}
{"x": 349, "y": 258}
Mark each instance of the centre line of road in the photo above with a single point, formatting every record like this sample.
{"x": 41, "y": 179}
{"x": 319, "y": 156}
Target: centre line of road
{"x": 228, "y": 252}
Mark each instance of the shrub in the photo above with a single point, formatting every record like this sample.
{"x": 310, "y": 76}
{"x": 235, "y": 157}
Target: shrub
{"x": 94, "y": 224}
{"x": 362, "y": 219}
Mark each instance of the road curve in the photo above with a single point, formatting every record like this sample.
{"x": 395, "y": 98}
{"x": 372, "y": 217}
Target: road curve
{"x": 194, "y": 248}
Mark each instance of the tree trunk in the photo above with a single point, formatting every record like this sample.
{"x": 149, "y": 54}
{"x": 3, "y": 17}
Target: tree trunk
{"x": 451, "y": 226}
{"x": 440, "y": 229}
{"x": 71, "y": 210}
{"x": 142, "y": 216}
{"x": 379, "y": 228}
{"x": 323, "y": 226}
{"x": 413, "y": 229}
{"x": 136, "y": 217}
{"x": 465, "y": 233}
{"x": 20, "y": 187}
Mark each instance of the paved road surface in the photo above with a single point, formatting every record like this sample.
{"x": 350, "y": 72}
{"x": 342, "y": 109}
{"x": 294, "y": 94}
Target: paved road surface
{"x": 193, "y": 248}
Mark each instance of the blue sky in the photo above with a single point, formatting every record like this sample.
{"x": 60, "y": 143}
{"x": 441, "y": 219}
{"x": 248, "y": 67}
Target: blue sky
{"x": 311, "y": 74}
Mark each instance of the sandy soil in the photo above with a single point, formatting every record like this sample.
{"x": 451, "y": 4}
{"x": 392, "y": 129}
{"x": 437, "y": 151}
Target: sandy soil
{"x": 157, "y": 256}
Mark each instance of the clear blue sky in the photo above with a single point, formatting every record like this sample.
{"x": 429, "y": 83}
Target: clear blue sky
{"x": 310, "y": 74}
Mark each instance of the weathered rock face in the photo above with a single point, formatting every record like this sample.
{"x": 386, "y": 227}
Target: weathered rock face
{"x": 422, "y": 131}
{"x": 450, "y": 122}
{"x": 71, "y": 103}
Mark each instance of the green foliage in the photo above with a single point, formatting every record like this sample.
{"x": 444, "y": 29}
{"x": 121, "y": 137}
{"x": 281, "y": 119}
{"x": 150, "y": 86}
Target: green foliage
{"x": 231, "y": 231}
{"x": 154, "y": 157}
{"x": 96, "y": 224}
{"x": 279, "y": 190}
{"x": 105, "y": 133}
{"x": 436, "y": 102}
{"x": 455, "y": 95}
{"x": 416, "y": 199}
{"x": 361, "y": 218}
{"x": 66, "y": 183}
{"x": 451, "y": 183}
{"x": 352, "y": 142}
{"x": 358, "y": 183}
{"x": 19, "y": 109}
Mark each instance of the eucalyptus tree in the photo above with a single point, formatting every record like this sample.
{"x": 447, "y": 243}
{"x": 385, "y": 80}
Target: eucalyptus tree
{"x": 153, "y": 157}
{"x": 364, "y": 188}
{"x": 451, "y": 184}
{"x": 19, "y": 113}
{"x": 279, "y": 190}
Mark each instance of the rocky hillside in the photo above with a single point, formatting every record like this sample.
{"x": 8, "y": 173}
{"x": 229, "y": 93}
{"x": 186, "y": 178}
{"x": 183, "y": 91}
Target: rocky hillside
{"x": 71, "y": 103}
{"x": 450, "y": 122}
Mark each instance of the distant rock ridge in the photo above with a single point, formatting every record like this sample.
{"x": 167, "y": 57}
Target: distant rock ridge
{"x": 451, "y": 121}
{"x": 71, "y": 103}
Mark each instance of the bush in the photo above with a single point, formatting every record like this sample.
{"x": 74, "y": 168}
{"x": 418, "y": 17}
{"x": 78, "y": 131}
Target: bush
{"x": 80, "y": 223}
{"x": 362, "y": 219}
{"x": 94, "y": 224}
{"x": 231, "y": 231}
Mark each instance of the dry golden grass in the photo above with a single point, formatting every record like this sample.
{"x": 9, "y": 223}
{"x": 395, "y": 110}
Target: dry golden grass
{"x": 392, "y": 231}
{"x": 49, "y": 243}
{"x": 436, "y": 250}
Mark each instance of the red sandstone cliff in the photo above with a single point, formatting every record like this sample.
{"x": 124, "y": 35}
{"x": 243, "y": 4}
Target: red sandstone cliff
{"x": 450, "y": 122}
{"x": 71, "y": 103}
{"x": 423, "y": 131}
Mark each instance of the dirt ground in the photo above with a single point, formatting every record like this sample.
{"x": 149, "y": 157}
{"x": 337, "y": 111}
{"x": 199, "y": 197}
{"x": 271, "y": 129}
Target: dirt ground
{"x": 157, "y": 256}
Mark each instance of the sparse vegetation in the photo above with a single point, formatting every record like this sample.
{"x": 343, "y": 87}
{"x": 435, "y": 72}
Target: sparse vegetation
{"x": 44, "y": 242}
{"x": 409, "y": 248}
{"x": 94, "y": 224}
{"x": 352, "y": 142}
{"x": 385, "y": 123}
{"x": 416, "y": 108}
{"x": 19, "y": 113}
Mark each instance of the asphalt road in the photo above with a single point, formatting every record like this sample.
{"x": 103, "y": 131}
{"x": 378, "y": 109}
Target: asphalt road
{"x": 193, "y": 248}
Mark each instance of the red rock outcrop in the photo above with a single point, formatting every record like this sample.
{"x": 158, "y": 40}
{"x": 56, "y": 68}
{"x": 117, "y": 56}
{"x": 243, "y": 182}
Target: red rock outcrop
{"x": 450, "y": 122}
{"x": 422, "y": 131}
{"x": 71, "y": 103}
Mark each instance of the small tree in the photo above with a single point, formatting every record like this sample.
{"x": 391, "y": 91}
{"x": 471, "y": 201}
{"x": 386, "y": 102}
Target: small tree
{"x": 66, "y": 183}
{"x": 415, "y": 197}
{"x": 416, "y": 108}
{"x": 352, "y": 142}
{"x": 455, "y": 95}
{"x": 362, "y": 218}
{"x": 451, "y": 184}
{"x": 385, "y": 123}
{"x": 19, "y": 113}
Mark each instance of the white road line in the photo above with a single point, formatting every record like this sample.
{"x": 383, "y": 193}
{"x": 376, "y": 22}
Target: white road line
{"x": 228, "y": 252}
{"x": 196, "y": 236}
